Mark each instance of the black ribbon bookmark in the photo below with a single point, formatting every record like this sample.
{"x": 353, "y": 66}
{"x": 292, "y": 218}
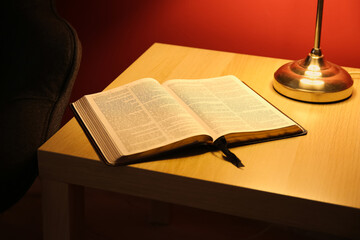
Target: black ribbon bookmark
{"x": 221, "y": 144}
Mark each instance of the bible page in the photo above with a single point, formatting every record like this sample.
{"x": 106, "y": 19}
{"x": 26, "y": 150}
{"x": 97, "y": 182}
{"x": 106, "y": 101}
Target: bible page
{"x": 142, "y": 115}
{"x": 226, "y": 105}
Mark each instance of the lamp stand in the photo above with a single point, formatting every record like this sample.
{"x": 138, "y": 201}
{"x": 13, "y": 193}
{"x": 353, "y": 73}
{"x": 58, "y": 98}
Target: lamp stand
{"x": 314, "y": 79}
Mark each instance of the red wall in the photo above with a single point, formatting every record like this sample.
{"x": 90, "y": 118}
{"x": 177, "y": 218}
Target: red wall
{"x": 115, "y": 32}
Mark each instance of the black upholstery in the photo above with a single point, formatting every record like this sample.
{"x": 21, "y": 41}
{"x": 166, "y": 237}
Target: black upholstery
{"x": 40, "y": 57}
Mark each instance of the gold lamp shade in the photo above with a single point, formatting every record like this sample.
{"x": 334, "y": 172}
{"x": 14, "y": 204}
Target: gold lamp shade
{"x": 314, "y": 79}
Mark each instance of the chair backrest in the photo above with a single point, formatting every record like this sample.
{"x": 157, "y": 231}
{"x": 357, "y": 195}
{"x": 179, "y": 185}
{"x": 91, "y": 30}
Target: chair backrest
{"x": 40, "y": 55}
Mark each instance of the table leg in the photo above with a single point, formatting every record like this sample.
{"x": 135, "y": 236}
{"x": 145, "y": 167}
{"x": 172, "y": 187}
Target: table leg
{"x": 63, "y": 210}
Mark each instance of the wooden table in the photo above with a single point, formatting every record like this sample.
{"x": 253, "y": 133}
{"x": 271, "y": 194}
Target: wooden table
{"x": 311, "y": 182}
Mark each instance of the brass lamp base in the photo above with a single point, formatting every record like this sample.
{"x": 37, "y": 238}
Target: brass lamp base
{"x": 313, "y": 79}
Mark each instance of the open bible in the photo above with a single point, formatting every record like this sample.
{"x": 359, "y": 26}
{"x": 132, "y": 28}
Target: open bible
{"x": 145, "y": 118}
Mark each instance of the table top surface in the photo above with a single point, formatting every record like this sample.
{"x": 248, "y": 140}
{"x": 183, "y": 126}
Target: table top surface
{"x": 323, "y": 166}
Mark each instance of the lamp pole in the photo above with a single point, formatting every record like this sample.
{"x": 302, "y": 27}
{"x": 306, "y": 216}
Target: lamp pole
{"x": 319, "y": 15}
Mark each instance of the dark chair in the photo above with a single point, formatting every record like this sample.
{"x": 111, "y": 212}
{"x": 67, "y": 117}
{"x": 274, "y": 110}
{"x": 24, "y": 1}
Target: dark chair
{"x": 40, "y": 56}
